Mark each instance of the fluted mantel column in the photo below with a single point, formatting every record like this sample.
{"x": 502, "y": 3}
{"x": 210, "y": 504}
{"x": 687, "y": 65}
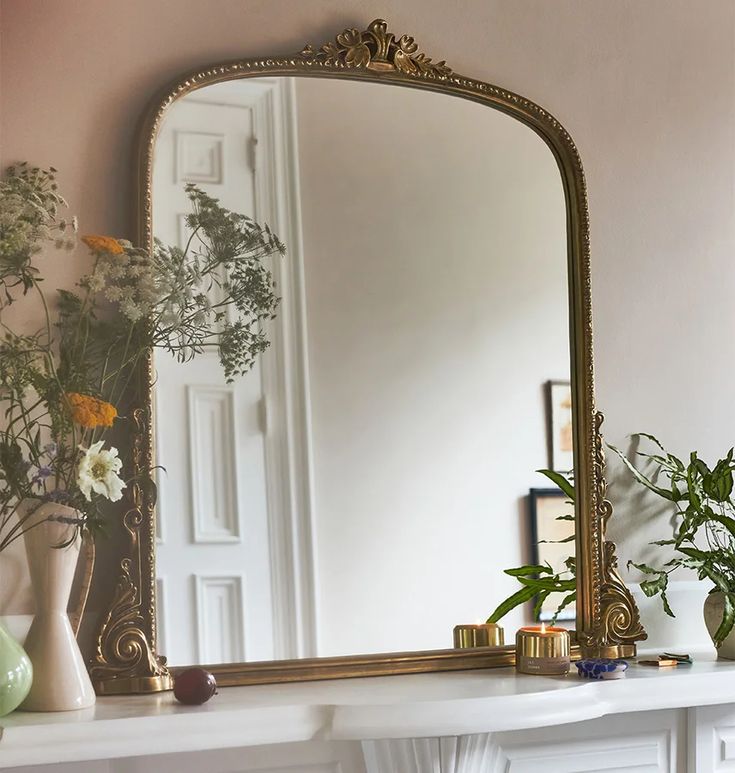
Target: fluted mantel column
{"x": 463, "y": 754}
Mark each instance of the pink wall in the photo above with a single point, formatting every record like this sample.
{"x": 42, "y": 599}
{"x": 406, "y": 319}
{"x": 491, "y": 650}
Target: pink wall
{"x": 646, "y": 89}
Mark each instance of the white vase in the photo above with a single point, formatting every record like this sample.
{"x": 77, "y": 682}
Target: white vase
{"x": 714, "y": 606}
{"x": 60, "y": 678}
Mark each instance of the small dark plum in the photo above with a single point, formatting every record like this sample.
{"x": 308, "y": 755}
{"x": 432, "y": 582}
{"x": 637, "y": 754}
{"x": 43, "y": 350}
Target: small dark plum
{"x": 194, "y": 686}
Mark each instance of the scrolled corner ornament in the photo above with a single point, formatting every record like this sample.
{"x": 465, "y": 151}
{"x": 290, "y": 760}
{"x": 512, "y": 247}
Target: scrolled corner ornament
{"x": 376, "y": 49}
{"x": 620, "y": 622}
{"x": 617, "y": 621}
{"x": 124, "y": 661}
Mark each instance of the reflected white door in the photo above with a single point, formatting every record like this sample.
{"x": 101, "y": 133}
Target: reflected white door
{"x": 213, "y": 555}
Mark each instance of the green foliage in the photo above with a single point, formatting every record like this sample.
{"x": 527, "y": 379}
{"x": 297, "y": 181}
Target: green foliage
{"x": 704, "y": 532}
{"x": 539, "y": 581}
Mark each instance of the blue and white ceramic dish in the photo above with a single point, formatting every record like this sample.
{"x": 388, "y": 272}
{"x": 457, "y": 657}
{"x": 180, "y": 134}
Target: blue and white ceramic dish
{"x": 601, "y": 668}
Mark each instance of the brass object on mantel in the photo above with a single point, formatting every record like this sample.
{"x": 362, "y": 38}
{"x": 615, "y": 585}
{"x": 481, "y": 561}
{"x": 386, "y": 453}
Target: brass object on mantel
{"x": 543, "y": 650}
{"x": 607, "y": 620}
{"x": 480, "y": 635}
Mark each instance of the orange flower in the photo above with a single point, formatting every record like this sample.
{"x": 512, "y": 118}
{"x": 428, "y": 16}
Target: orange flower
{"x": 104, "y": 244}
{"x": 90, "y": 412}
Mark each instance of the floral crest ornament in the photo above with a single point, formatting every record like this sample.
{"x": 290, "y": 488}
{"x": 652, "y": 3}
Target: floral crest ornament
{"x": 376, "y": 49}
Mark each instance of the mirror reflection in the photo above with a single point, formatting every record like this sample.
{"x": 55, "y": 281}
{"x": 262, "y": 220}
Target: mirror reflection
{"x": 363, "y": 487}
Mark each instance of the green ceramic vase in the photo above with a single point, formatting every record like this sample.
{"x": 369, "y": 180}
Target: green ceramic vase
{"x": 16, "y": 673}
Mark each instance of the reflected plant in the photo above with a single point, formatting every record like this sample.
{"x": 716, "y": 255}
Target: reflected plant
{"x": 217, "y": 292}
{"x": 704, "y": 532}
{"x": 540, "y": 581}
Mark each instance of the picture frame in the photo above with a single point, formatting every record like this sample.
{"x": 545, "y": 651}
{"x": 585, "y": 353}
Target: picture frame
{"x": 559, "y": 425}
{"x": 544, "y": 506}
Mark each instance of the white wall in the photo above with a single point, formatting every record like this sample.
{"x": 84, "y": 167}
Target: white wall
{"x": 435, "y": 270}
{"x": 647, "y": 90}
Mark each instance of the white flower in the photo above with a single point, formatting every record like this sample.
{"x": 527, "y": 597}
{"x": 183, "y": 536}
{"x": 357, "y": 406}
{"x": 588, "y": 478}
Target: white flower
{"x": 98, "y": 472}
{"x": 114, "y": 293}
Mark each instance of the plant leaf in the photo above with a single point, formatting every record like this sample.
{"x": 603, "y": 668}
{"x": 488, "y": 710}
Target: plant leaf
{"x": 727, "y": 622}
{"x": 531, "y": 569}
{"x": 542, "y": 596}
{"x": 565, "y": 602}
{"x": 653, "y": 439}
{"x": 693, "y": 553}
{"x": 548, "y": 583}
{"x": 643, "y": 568}
{"x": 570, "y": 538}
{"x": 655, "y": 586}
{"x": 519, "y": 597}
{"x": 559, "y": 479}
{"x": 640, "y": 477}
{"x": 724, "y": 520}
{"x": 665, "y": 602}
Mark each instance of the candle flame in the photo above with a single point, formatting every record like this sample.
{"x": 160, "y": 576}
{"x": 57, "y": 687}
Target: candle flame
{"x": 543, "y": 627}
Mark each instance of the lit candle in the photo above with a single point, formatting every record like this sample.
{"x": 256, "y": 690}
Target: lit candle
{"x": 478, "y": 635}
{"x": 542, "y": 650}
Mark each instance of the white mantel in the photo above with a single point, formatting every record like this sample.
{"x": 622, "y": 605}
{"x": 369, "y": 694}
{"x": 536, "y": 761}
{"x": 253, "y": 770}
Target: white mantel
{"x": 426, "y": 706}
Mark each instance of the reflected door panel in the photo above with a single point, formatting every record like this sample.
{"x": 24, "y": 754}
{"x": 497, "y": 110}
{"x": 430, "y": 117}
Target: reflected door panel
{"x": 213, "y": 554}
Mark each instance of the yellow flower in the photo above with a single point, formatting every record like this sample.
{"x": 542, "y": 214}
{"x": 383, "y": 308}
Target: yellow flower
{"x": 90, "y": 412}
{"x": 104, "y": 244}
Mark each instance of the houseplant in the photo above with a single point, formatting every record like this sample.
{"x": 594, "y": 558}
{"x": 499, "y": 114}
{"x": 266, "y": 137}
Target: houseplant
{"x": 63, "y": 385}
{"x": 703, "y": 540}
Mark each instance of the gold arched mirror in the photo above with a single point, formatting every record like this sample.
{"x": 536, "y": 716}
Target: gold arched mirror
{"x": 362, "y": 489}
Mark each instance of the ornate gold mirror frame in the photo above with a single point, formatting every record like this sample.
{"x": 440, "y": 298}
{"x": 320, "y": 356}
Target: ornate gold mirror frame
{"x": 608, "y": 623}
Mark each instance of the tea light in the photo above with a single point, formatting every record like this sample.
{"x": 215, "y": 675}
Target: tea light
{"x": 542, "y": 650}
{"x": 479, "y": 635}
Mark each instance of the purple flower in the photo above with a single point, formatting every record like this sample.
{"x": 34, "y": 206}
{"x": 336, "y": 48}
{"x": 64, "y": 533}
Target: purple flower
{"x": 50, "y": 449}
{"x": 43, "y": 473}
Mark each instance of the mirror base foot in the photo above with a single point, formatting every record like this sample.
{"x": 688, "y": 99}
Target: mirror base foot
{"x": 134, "y": 685}
{"x": 615, "y": 651}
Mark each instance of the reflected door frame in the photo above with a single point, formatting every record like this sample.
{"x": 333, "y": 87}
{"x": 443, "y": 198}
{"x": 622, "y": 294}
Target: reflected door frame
{"x": 286, "y": 375}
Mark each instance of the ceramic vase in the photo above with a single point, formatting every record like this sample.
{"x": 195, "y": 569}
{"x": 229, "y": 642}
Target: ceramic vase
{"x": 16, "y": 673}
{"x": 60, "y": 678}
{"x": 714, "y": 606}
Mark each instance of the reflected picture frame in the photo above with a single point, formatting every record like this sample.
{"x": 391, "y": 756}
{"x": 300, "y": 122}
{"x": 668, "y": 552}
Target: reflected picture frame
{"x": 560, "y": 433}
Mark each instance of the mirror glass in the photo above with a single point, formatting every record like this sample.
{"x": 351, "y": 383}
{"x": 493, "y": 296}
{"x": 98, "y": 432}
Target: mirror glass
{"x": 362, "y": 489}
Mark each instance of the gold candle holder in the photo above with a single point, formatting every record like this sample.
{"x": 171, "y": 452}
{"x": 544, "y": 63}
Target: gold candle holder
{"x": 480, "y": 635}
{"x": 542, "y": 650}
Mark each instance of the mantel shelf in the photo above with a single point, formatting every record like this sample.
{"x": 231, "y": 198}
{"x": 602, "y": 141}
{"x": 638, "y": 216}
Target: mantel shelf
{"x": 426, "y": 705}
